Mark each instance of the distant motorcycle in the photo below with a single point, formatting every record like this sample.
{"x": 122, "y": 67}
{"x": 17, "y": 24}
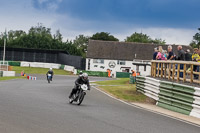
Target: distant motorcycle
{"x": 49, "y": 77}
{"x": 79, "y": 95}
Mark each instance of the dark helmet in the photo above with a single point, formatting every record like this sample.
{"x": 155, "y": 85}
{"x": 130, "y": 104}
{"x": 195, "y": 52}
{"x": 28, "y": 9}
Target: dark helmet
{"x": 81, "y": 72}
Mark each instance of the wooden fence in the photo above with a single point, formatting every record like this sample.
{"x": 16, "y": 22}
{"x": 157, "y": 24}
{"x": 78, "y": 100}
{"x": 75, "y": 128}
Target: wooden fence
{"x": 176, "y": 70}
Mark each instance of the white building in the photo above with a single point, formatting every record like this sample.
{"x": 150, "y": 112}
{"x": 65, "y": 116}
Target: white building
{"x": 117, "y": 56}
{"x": 122, "y": 56}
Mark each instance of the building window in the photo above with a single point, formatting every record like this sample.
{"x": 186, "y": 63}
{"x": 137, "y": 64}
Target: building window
{"x": 121, "y": 62}
{"x": 145, "y": 68}
{"x": 98, "y": 61}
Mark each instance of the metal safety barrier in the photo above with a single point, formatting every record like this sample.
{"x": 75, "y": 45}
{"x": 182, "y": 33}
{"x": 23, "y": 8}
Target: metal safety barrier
{"x": 173, "y": 96}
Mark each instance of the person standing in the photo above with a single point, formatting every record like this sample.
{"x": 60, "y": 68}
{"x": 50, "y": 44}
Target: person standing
{"x": 188, "y": 55}
{"x": 170, "y": 53}
{"x": 196, "y": 58}
{"x": 160, "y": 55}
{"x": 155, "y": 53}
{"x": 109, "y": 73}
{"x": 181, "y": 53}
{"x": 181, "y": 57}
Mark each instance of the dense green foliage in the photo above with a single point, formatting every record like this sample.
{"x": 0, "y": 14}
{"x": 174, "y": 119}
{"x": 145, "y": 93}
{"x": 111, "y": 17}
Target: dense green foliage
{"x": 81, "y": 43}
{"x": 40, "y": 37}
{"x": 196, "y": 40}
{"x": 143, "y": 38}
{"x": 104, "y": 36}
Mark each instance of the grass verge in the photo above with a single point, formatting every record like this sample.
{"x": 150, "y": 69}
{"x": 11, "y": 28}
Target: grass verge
{"x": 9, "y": 78}
{"x": 124, "y": 90}
{"x": 33, "y": 70}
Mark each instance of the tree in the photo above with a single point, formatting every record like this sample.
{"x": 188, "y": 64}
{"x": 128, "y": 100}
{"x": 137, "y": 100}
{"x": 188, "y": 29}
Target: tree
{"x": 138, "y": 37}
{"x": 196, "y": 40}
{"x": 40, "y": 37}
{"x": 58, "y": 36}
{"x": 81, "y": 42}
{"x": 143, "y": 38}
{"x": 104, "y": 36}
{"x": 159, "y": 41}
{"x": 71, "y": 48}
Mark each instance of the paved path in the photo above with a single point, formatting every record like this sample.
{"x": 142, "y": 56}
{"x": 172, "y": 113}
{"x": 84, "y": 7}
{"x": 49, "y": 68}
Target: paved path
{"x": 38, "y": 107}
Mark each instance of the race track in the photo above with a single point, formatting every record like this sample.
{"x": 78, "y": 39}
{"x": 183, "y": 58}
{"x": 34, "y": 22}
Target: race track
{"x": 38, "y": 107}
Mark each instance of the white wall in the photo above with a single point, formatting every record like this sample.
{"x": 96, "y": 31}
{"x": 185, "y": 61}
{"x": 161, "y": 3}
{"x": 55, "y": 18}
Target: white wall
{"x": 47, "y": 65}
{"x": 8, "y": 73}
{"x": 39, "y": 64}
{"x": 117, "y": 68}
{"x": 69, "y": 68}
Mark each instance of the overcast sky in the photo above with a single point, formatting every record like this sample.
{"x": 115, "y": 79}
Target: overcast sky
{"x": 175, "y": 21}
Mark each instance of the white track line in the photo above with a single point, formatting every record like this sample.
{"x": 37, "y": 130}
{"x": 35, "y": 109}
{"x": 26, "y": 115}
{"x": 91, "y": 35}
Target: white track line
{"x": 194, "y": 124}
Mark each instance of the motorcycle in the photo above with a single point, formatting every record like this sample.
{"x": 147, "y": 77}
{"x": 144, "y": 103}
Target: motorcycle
{"x": 49, "y": 78}
{"x": 79, "y": 95}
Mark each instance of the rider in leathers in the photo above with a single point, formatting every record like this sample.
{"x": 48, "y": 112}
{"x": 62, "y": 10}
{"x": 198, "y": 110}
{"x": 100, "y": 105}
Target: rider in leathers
{"x": 50, "y": 72}
{"x": 80, "y": 81}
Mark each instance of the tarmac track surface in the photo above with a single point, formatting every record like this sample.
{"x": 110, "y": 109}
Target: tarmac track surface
{"x": 38, "y": 107}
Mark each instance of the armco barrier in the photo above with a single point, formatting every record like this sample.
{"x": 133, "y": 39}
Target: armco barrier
{"x": 1, "y": 73}
{"x": 94, "y": 73}
{"x": 14, "y": 63}
{"x": 176, "y": 97}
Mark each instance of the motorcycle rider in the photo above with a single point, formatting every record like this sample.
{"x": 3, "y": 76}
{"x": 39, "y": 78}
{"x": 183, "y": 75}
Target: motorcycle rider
{"x": 80, "y": 81}
{"x": 50, "y": 72}
{"x": 80, "y": 73}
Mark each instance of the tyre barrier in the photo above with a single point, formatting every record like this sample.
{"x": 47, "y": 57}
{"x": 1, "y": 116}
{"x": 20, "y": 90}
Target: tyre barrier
{"x": 172, "y": 96}
{"x": 31, "y": 78}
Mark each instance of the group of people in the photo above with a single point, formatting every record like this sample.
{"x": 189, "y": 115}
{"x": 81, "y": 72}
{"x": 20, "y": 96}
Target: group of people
{"x": 160, "y": 54}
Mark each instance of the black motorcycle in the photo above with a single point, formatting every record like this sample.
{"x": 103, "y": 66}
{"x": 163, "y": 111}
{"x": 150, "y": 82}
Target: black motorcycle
{"x": 49, "y": 78}
{"x": 79, "y": 95}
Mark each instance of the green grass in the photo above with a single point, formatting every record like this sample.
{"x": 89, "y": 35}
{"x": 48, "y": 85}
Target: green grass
{"x": 33, "y": 70}
{"x": 9, "y": 78}
{"x": 122, "y": 81}
{"x": 124, "y": 91}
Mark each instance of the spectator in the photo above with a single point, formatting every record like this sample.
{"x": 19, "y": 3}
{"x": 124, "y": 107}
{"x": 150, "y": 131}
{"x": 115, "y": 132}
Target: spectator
{"x": 170, "y": 53}
{"x": 188, "y": 55}
{"x": 181, "y": 53}
{"x": 165, "y": 54}
{"x": 196, "y": 58}
{"x": 181, "y": 56}
{"x": 160, "y": 55}
{"x": 155, "y": 53}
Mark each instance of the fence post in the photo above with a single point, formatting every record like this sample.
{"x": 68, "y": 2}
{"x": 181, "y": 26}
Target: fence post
{"x": 158, "y": 70}
{"x": 155, "y": 69}
{"x": 178, "y": 72}
{"x": 184, "y": 73}
{"x": 165, "y": 70}
{"x": 152, "y": 68}
{"x": 169, "y": 74}
{"x": 191, "y": 73}
{"x": 173, "y": 73}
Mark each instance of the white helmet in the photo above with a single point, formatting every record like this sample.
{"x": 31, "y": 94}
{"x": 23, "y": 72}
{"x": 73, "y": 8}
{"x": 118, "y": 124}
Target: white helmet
{"x": 85, "y": 76}
{"x": 50, "y": 69}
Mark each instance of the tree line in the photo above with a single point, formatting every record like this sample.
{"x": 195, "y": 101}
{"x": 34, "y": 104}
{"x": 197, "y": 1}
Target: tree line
{"x": 40, "y": 37}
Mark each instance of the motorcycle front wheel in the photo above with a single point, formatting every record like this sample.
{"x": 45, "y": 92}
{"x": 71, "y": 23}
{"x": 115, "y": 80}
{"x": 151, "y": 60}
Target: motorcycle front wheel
{"x": 81, "y": 98}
